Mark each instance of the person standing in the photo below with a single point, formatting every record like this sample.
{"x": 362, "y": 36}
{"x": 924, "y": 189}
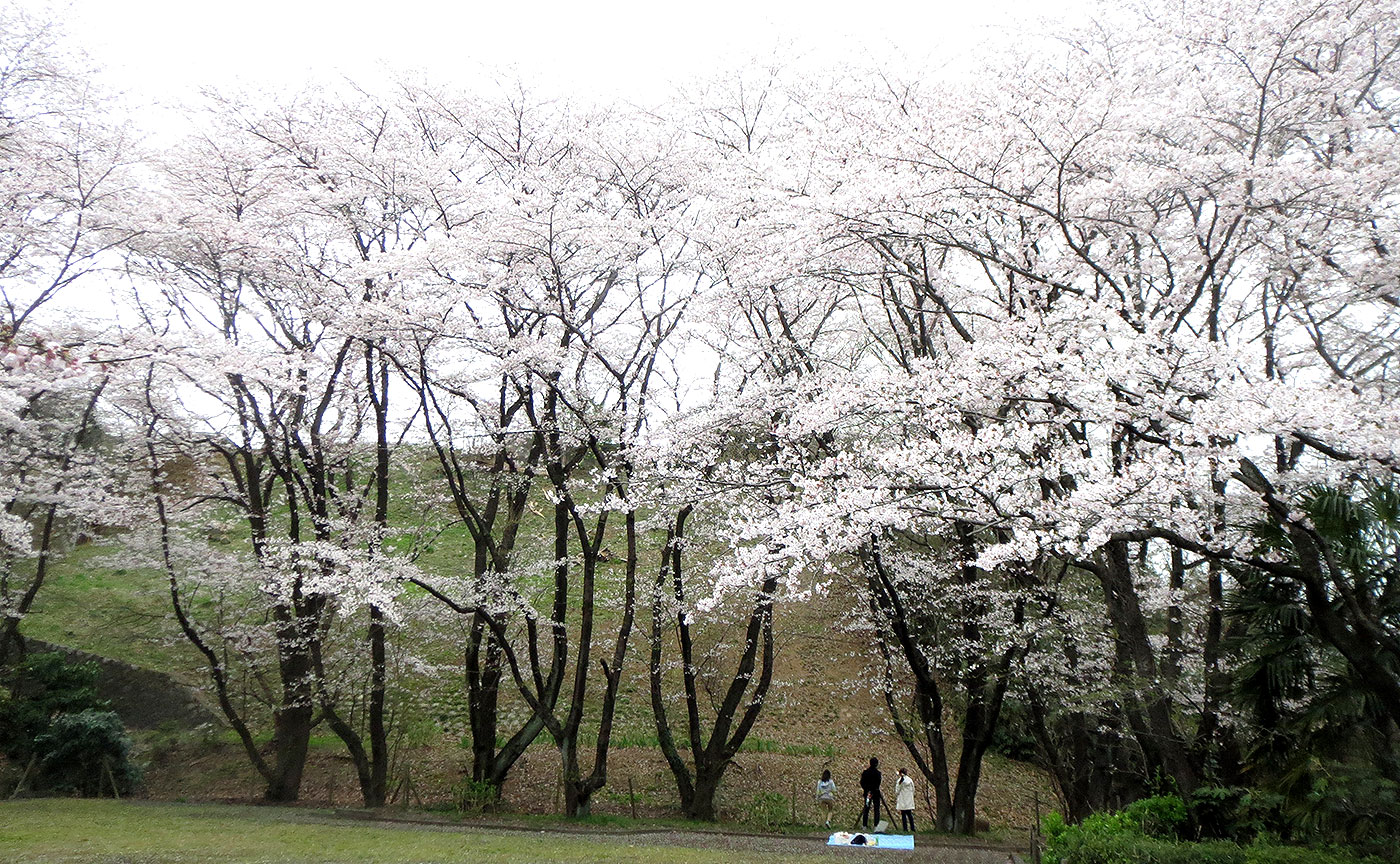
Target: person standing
{"x": 826, "y": 795}
{"x": 904, "y": 800}
{"x": 870, "y": 786}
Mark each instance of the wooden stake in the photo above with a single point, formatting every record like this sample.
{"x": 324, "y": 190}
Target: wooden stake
{"x": 23, "y": 777}
{"x": 632, "y": 797}
{"x": 116, "y": 793}
{"x": 1035, "y": 832}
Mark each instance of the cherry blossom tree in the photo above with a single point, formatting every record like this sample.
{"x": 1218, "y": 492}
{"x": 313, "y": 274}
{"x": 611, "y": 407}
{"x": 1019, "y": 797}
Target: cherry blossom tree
{"x": 714, "y": 470}
{"x": 276, "y": 267}
{"x": 65, "y": 192}
{"x": 1060, "y": 272}
{"x": 553, "y": 293}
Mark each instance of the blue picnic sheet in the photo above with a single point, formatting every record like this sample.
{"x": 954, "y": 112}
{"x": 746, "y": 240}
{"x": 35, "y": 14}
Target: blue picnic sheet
{"x": 873, "y": 841}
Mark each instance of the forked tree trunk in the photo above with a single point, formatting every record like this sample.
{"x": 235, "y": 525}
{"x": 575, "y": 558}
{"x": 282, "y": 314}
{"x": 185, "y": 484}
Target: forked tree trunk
{"x": 711, "y": 758}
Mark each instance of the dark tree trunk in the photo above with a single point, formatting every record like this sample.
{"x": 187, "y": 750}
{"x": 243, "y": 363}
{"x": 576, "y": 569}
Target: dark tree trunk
{"x": 985, "y": 698}
{"x": 983, "y": 685}
{"x": 1092, "y": 767}
{"x": 11, "y": 643}
{"x": 1162, "y": 743}
{"x": 482, "y": 663}
{"x": 294, "y": 718}
{"x": 701, "y": 806}
{"x": 964, "y": 810}
{"x": 371, "y": 768}
{"x": 291, "y": 737}
{"x": 493, "y": 519}
{"x": 376, "y": 793}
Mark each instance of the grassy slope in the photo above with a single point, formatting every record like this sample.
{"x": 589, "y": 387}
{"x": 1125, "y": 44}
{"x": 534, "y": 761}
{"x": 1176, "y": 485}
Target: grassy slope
{"x": 122, "y": 614}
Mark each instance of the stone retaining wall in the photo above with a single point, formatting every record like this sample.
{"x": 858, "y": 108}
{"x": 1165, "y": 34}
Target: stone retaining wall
{"x": 143, "y": 698}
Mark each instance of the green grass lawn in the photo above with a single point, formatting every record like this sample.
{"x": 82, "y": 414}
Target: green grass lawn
{"x": 111, "y": 832}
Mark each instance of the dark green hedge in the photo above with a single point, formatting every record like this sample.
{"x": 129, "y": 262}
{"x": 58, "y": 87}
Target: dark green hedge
{"x": 1141, "y": 849}
{"x": 1149, "y": 832}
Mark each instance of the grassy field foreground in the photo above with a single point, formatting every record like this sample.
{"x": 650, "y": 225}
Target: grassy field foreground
{"x": 72, "y": 830}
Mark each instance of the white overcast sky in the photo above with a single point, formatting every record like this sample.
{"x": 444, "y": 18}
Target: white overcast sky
{"x": 164, "y": 50}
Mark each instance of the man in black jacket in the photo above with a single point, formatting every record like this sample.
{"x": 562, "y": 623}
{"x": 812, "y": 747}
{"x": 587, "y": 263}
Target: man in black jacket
{"x": 870, "y": 786}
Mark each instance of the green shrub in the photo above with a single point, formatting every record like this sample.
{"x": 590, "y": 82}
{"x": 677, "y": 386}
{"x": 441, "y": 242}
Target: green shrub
{"x": 1274, "y": 854}
{"x": 1236, "y": 813}
{"x": 1144, "y": 832}
{"x": 1205, "y": 852}
{"x": 1141, "y": 849}
{"x": 38, "y": 689}
{"x": 1116, "y": 838}
{"x": 1159, "y": 816}
{"x": 473, "y": 796}
{"x": 767, "y": 811}
{"x": 88, "y": 753}
{"x": 1350, "y": 803}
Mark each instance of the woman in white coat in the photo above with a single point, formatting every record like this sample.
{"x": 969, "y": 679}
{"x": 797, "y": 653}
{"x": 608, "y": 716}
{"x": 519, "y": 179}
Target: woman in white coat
{"x": 904, "y": 800}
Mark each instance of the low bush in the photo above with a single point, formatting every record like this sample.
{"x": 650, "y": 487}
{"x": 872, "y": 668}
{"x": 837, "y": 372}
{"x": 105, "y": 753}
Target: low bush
{"x": 1236, "y": 813}
{"x": 473, "y": 796}
{"x": 1161, "y": 816}
{"x": 1134, "y": 848}
{"x": 54, "y": 726}
{"x": 1263, "y": 853}
{"x": 36, "y": 690}
{"x": 767, "y": 811}
{"x": 1144, "y": 833}
{"x": 88, "y": 753}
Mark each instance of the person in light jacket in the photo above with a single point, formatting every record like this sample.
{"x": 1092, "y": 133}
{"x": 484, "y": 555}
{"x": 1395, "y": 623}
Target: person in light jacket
{"x": 826, "y": 795}
{"x": 904, "y": 800}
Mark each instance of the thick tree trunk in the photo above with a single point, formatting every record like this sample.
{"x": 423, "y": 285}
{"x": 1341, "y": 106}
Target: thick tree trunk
{"x": 297, "y": 646}
{"x": 701, "y": 807}
{"x": 576, "y": 796}
{"x": 482, "y": 662}
{"x": 1162, "y": 742}
{"x": 964, "y": 810}
{"x": 983, "y": 713}
{"x": 930, "y": 709}
{"x": 291, "y": 738}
